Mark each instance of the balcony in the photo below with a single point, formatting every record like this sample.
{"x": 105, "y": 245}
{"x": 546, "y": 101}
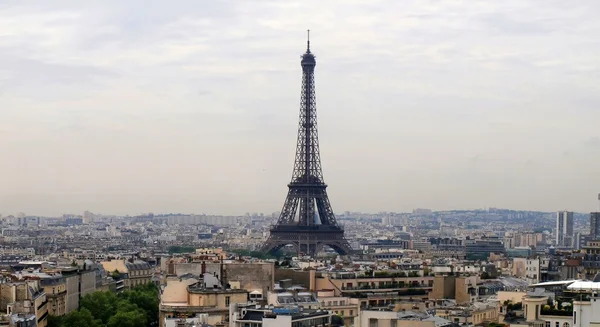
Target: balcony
{"x": 398, "y": 286}
{"x": 556, "y": 312}
{"x": 55, "y": 295}
{"x": 389, "y": 295}
{"x": 42, "y": 305}
{"x": 397, "y": 275}
{"x": 44, "y": 316}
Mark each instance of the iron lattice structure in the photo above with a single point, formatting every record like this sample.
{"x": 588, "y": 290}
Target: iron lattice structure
{"x": 307, "y": 220}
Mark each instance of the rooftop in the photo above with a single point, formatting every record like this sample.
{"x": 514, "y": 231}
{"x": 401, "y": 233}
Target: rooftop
{"x": 296, "y": 313}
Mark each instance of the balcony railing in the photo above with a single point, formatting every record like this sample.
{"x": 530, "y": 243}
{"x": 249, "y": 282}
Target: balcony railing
{"x": 43, "y": 317}
{"x": 380, "y": 276}
{"x": 56, "y": 294}
{"x": 386, "y": 286}
{"x": 555, "y": 312}
{"x": 42, "y": 304}
{"x": 390, "y": 295}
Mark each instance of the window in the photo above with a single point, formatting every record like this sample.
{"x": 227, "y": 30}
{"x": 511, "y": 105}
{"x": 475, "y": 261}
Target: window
{"x": 228, "y": 300}
{"x": 557, "y": 324}
{"x": 574, "y": 317}
{"x": 351, "y": 312}
{"x": 566, "y": 324}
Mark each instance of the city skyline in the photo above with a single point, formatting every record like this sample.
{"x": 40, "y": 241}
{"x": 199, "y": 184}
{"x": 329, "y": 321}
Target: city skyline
{"x": 130, "y": 108}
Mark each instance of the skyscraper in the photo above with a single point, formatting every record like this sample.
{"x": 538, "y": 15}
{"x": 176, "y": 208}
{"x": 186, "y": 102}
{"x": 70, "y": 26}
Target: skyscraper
{"x": 595, "y": 224}
{"x": 564, "y": 228}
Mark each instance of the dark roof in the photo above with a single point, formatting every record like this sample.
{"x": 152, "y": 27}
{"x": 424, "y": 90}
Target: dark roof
{"x": 254, "y": 315}
{"x": 138, "y": 265}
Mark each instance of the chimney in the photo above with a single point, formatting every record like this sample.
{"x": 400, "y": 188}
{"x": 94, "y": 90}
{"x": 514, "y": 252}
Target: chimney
{"x": 203, "y": 267}
{"x": 221, "y": 275}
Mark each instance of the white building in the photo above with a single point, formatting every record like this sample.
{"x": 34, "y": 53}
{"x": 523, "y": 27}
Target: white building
{"x": 528, "y": 269}
{"x": 251, "y": 315}
{"x": 586, "y": 312}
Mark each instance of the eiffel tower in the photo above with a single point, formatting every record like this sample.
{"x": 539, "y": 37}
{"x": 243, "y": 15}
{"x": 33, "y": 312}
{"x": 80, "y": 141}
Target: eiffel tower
{"x": 307, "y": 221}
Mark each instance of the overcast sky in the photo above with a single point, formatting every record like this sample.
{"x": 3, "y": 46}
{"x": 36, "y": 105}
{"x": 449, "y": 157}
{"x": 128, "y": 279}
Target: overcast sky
{"x": 123, "y": 107}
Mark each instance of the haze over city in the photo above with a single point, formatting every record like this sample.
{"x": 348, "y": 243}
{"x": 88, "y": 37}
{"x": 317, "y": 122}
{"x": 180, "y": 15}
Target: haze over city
{"x": 122, "y": 108}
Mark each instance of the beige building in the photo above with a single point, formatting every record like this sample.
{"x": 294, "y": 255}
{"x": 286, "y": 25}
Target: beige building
{"x": 55, "y": 288}
{"x": 527, "y": 268}
{"x": 186, "y": 298}
{"x": 514, "y": 297}
{"x": 69, "y": 276}
{"x": 372, "y": 291}
{"x": 529, "y": 239}
{"x": 257, "y": 276}
{"x": 72, "y": 286}
{"x": 345, "y": 307}
{"x": 132, "y": 273}
{"x": 87, "y": 282}
{"x": 26, "y": 297}
{"x": 460, "y": 288}
{"x": 533, "y": 316}
{"x": 378, "y": 318}
{"x": 477, "y": 314}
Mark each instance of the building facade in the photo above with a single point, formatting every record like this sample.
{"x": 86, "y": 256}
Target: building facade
{"x": 25, "y": 298}
{"x": 564, "y": 228}
{"x": 595, "y": 225}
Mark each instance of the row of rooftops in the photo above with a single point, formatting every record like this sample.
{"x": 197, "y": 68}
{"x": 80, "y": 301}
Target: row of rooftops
{"x": 256, "y": 313}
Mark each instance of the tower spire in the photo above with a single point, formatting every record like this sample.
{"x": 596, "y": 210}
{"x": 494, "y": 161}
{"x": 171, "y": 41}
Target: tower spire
{"x": 308, "y": 41}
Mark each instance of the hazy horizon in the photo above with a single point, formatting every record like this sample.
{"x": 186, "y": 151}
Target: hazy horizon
{"x": 142, "y": 106}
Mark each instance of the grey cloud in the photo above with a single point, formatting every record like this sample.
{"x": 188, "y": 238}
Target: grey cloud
{"x": 464, "y": 92}
{"x": 592, "y": 143}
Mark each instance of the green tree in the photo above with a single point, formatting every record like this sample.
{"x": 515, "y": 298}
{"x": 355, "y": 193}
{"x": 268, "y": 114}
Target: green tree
{"x": 102, "y": 305}
{"x": 128, "y": 319}
{"x": 181, "y": 249}
{"x": 80, "y": 318}
{"x": 257, "y": 254}
{"x": 145, "y": 299}
{"x": 54, "y": 321}
{"x": 126, "y": 306}
{"x": 337, "y": 321}
{"x": 116, "y": 275}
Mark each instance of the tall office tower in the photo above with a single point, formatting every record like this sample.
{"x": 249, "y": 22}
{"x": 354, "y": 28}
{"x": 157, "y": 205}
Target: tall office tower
{"x": 595, "y": 223}
{"x": 564, "y": 228}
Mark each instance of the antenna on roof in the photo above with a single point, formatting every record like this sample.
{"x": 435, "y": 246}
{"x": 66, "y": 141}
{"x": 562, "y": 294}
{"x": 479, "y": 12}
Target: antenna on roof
{"x": 308, "y": 41}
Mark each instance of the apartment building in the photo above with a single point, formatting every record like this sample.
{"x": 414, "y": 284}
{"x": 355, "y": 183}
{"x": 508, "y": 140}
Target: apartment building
{"x": 25, "y": 298}
{"x": 190, "y": 297}
{"x": 132, "y": 273}
{"x": 374, "y": 289}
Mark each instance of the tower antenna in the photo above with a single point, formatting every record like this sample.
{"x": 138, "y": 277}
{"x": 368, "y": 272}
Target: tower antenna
{"x": 308, "y": 41}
